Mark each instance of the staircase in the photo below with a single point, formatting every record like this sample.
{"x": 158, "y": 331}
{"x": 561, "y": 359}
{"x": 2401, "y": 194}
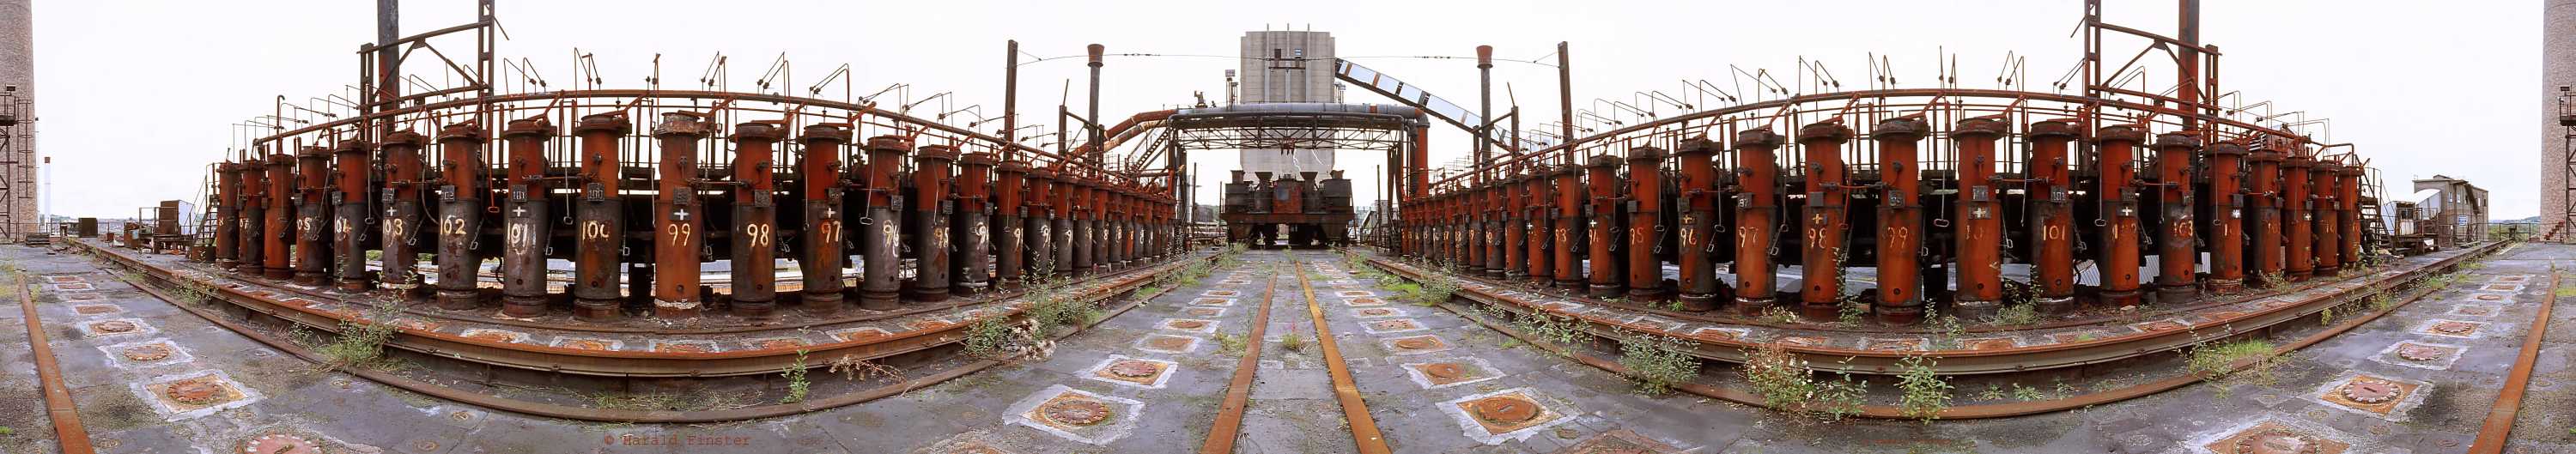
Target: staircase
{"x": 2374, "y": 225}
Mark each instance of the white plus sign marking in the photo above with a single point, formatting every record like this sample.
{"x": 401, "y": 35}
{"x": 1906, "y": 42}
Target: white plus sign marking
{"x": 520, "y": 211}
{"x": 683, "y": 215}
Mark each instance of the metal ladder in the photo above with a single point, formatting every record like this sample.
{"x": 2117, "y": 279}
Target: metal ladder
{"x": 204, "y": 236}
{"x": 2374, "y": 233}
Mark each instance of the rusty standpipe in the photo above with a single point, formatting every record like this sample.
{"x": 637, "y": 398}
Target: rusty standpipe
{"x": 402, "y": 221}
{"x": 881, "y": 228}
{"x": 1900, "y": 219}
{"x": 1645, "y": 223}
{"x": 1698, "y": 204}
{"x": 1602, "y": 215}
{"x": 228, "y": 215}
{"x": 313, "y": 185}
{"x": 755, "y": 220}
{"x": 251, "y": 255}
{"x": 1979, "y": 218}
{"x": 1010, "y": 206}
{"x": 931, "y": 207}
{"x": 1533, "y": 206}
{"x": 678, "y": 217}
{"x": 1757, "y": 168}
{"x": 2329, "y": 217}
{"x": 525, "y": 238}
{"x": 281, "y": 212}
{"x": 2350, "y": 216}
{"x": 2301, "y": 214}
{"x": 973, "y": 232}
{"x": 349, "y": 210}
{"x": 2227, "y": 212}
{"x": 2176, "y": 256}
{"x": 460, "y": 215}
{"x": 1048, "y": 257}
{"x": 2120, "y": 254}
{"x": 1514, "y": 210}
{"x": 1569, "y": 227}
{"x": 599, "y": 218}
{"x": 824, "y": 234}
{"x": 1825, "y": 220}
{"x": 2265, "y": 195}
{"x": 2051, "y": 189}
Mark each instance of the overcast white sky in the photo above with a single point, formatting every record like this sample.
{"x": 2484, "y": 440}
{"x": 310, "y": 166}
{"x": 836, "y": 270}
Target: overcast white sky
{"x": 136, "y": 96}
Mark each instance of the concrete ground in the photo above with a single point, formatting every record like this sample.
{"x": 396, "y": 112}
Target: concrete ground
{"x": 1160, "y": 372}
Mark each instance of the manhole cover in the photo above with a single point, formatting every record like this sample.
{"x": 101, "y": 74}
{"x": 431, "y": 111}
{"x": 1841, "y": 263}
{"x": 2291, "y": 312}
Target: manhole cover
{"x": 1503, "y": 410}
{"x": 1188, "y": 324}
{"x": 194, "y": 392}
{"x": 1444, "y": 371}
{"x": 460, "y": 416}
{"x": 95, "y": 309}
{"x": 147, "y": 352}
{"x": 280, "y": 444}
{"x": 425, "y": 446}
{"x": 2491, "y": 297}
{"x": 2414, "y": 352}
{"x": 1169, "y": 343}
{"x": 1376, "y": 312}
{"x": 1134, "y": 368}
{"x": 1394, "y": 324}
{"x": 2369, "y": 391}
{"x": 1365, "y": 301}
{"x": 2477, "y": 310}
{"x": 113, "y": 326}
{"x": 1417, "y": 343}
{"x": 2454, "y": 327}
{"x": 1075, "y": 412}
{"x": 2277, "y": 442}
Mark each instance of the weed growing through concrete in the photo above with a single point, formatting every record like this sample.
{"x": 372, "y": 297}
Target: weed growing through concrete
{"x": 1783, "y": 382}
{"x": 796, "y": 384}
{"x": 1778, "y": 315}
{"x": 989, "y": 338}
{"x": 362, "y": 342}
{"x": 1926, "y": 393}
{"x": 2217, "y": 363}
{"x": 2026, "y": 394}
{"x": 1656, "y": 363}
{"x": 1230, "y": 343}
{"x": 1293, "y": 342}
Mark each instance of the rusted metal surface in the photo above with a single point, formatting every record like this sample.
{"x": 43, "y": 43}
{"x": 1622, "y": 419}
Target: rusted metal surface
{"x": 677, "y": 217}
{"x": 1355, "y": 413}
{"x": 2299, "y": 215}
{"x": 930, "y": 209}
{"x": 2116, "y": 148}
{"x": 1569, "y": 220}
{"x": 1601, "y": 216}
{"x": 1010, "y": 230}
{"x": 1900, "y": 218}
{"x": 1986, "y": 360}
{"x": 755, "y": 221}
{"x": 2328, "y": 214}
{"x": 2269, "y": 263}
{"x": 2350, "y": 199}
{"x": 823, "y": 236}
{"x": 1228, "y": 424}
{"x": 1823, "y": 226}
{"x": 881, "y": 229}
{"x": 1536, "y": 209}
{"x": 2498, "y": 427}
{"x": 1977, "y": 221}
{"x": 599, "y": 240}
{"x": 460, "y": 193}
{"x": 2227, "y": 216}
{"x": 279, "y": 229}
{"x": 70, "y": 435}
{"x": 349, "y": 215}
{"x": 228, "y": 214}
{"x": 526, "y": 228}
{"x": 1757, "y": 215}
{"x": 2176, "y": 233}
{"x": 312, "y": 215}
{"x": 972, "y": 230}
{"x": 1645, "y": 223}
{"x": 1697, "y": 240}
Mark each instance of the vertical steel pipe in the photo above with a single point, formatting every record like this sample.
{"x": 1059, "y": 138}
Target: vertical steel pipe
{"x": 280, "y": 232}
{"x": 1900, "y": 219}
{"x": 312, "y": 215}
{"x": 349, "y": 213}
{"x": 1535, "y": 208}
{"x": 1697, "y": 200}
{"x": 931, "y": 206}
{"x": 525, "y": 238}
{"x": 1044, "y": 225}
{"x": 678, "y": 216}
{"x": 2349, "y": 198}
{"x": 1757, "y": 205}
{"x": 1010, "y": 207}
{"x": 460, "y": 215}
{"x": 2302, "y": 214}
{"x": 1062, "y": 186}
{"x": 974, "y": 265}
{"x": 2265, "y": 195}
{"x": 1084, "y": 245}
{"x": 1978, "y": 218}
{"x": 2051, "y": 190}
{"x": 2227, "y": 212}
{"x": 1602, "y": 216}
{"x": 253, "y": 254}
{"x": 1493, "y": 209}
{"x": 2329, "y": 213}
{"x": 402, "y": 221}
{"x": 881, "y": 228}
{"x": 1569, "y": 225}
{"x": 1645, "y": 222}
{"x": 754, "y": 277}
{"x": 1514, "y": 211}
{"x": 228, "y": 215}
{"x": 599, "y": 218}
{"x": 2176, "y": 254}
{"x": 2119, "y": 173}
{"x": 823, "y": 257}
{"x": 1824, "y": 223}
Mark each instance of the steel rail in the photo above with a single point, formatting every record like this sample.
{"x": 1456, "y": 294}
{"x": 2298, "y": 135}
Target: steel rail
{"x": 1984, "y": 361}
{"x": 69, "y": 434}
{"x": 1238, "y": 392}
{"x": 1355, "y": 412}
{"x": 611, "y": 414}
{"x": 1979, "y": 411}
{"x": 2498, "y": 428}
{"x": 620, "y": 363}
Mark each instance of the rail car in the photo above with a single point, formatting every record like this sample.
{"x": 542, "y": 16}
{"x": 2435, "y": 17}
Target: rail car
{"x": 1288, "y": 211}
